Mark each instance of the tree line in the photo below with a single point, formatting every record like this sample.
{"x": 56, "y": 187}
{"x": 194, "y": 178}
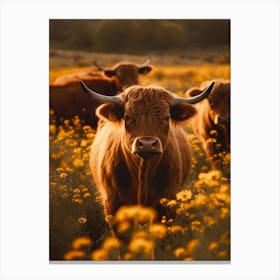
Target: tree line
{"x": 137, "y": 36}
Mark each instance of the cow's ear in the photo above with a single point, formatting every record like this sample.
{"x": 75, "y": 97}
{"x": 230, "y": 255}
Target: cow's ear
{"x": 181, "y": 112}
{"x": 111, "y": 112}
{"x": 193, "y": 92}
{"x": 145, "y": 69}
{"x": 109, "y": 72}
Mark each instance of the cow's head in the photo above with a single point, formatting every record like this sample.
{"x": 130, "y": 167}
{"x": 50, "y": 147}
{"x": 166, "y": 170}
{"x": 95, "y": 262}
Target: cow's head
{"x": 219, "y": 100}
{"x": 126, "y": 73}
{"x": 145, "y": 114}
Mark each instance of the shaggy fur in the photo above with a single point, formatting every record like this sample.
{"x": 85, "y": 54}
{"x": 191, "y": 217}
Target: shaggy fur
{"x": 147, "y": 111}
{"x": 213, "y": 117}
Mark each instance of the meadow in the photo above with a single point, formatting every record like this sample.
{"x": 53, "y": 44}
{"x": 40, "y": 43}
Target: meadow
{"x": 78, "y": 229}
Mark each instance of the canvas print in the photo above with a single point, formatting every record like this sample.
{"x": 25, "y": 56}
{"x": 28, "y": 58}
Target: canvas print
{"x": 139, "y": 140}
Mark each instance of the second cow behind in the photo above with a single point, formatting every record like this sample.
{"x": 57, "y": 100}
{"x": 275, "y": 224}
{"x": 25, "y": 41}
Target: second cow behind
{"x": 212, "y": 122}
{"x": 67, "y": 99}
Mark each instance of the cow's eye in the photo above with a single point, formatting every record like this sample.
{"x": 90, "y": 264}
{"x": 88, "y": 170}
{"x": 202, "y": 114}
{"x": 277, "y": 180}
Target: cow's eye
{"x": 127, "y": 118}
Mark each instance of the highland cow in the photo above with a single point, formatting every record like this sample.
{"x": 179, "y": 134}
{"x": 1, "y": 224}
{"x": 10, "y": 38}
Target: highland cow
{"x": 140, "y": 153}
{"x": 212, "y": 121}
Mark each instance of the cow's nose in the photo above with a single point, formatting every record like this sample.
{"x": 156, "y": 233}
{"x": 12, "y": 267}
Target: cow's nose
{"x": 146, "y": 146}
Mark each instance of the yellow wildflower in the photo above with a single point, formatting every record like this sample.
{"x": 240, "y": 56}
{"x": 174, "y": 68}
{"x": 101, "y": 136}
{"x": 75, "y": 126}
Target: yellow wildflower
{"x": 87, "y": 195}
{"x": 191, "y": 137}
{"x": 213, "y": 245}
{"x": 83, "y": 143}
{"x": 211, "y": 140}
{"x": 140, "y": 245}
{"x": 209, "y": 220}
{"x": 196, "y": 226}
{"x": 184, "y": 195}
{"x": 170, "y": 221}
{"x": 224, "y": 188}
{"x": 200, "y": 199}
{"x": 77, "y": 201}
{"x": 128, "y": 256}
{"x": 66, "y": 122}
{"x": 123, "y": 226}
{"x": 175, "y": 228}
{"x": 84, "y": 189}
{"x": 74, "y": 255}
{"x": 71, "y": 143}
{"x": 87, "y": 128}
{"x": 222, "y": 254}
{"x": 125, "y": 213}
{"x": 140, "y": 234}
{"x": 180, "y": 253}
{"x": 146, "y": 214}
{"x": 192, "y": 245}
{"x": 224, "y": 212}
{"x": 158, "y": 231}
{"x": 163, "y": 219}
{"x": 63, "y": 175}
{"x": 223, "y": 197}
{"x": 82, "y": 220}
{"x": 214, "y": 175}
{"x": 172, "y": 203}
{"x": 163, "y": 201}
{"x": 213, "y": 132}
{"x": 90, "y": 135}
{"x": 52, "y": 129}
{"x": 99, "y": 255}
{"x": 202, "y": 176}
{"x": 136, "y": 212}
{"x": 76, "y": 195}
{"x": 77, "y": 162}
{"x": 111, "y": 243}
{"x": 62, "y": 187}
{"x": 81, "y": 241}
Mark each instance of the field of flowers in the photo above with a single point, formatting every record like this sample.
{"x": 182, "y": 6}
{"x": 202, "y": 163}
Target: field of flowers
{"x": 200, "y": 229}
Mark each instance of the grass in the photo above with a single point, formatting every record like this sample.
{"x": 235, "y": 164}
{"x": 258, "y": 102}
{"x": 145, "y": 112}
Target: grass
{"x": 78, "y": 229}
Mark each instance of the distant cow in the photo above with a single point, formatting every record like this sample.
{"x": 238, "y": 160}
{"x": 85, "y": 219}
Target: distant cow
{"x": 68, "y": 99}
{"x": 140, "y": 153}
{"x": 212, "y": 121}
{"x": 85, "y": 76}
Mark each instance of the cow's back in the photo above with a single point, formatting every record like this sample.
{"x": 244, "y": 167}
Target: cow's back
{"x": 69, "y": 100}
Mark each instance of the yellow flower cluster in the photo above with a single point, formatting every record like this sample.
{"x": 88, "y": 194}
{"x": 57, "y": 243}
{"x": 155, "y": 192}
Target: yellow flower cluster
{"x": 186, "y": 253}
{"x": 108, "y": 251}
{"x": 135, "y": 212}
{"x": 77, "y": 252}
{"x": 195, "y": 227}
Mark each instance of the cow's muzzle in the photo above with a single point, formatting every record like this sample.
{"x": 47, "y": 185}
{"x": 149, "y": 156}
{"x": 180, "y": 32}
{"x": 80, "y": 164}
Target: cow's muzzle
{"x": 146, "y": 146}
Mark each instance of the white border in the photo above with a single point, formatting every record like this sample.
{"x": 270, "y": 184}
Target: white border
{"x": 255, "y": 138}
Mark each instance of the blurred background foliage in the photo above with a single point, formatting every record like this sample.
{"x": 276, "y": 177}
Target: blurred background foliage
{"x": 137, "y": 36}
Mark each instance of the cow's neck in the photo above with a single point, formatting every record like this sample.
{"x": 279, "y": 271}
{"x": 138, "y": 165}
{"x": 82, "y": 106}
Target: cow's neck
{"x": 146, "y": 172}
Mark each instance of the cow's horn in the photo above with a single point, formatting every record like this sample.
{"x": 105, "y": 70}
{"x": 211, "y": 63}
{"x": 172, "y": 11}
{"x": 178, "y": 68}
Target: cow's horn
{"x": 101, "y": 98}
{"x": 146, "y": 63}
{"x": 101, "y": 68}
{"x": 194, "y": 99}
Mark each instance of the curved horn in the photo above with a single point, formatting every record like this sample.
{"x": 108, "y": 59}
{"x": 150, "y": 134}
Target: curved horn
{"x": 146, "y": 63}
{"x": 101, "y": 68}
{"x": 99, "y": 97}
{"x": 194, "y": 99}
